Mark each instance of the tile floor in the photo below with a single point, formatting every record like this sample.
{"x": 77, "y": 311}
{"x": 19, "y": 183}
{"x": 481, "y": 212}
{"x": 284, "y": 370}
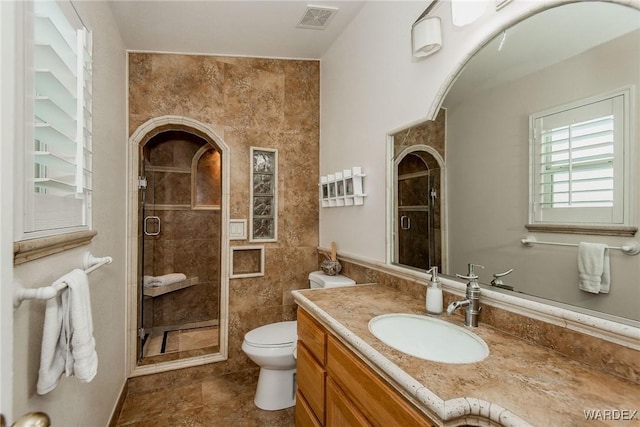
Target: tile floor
{"x": 226, "y": 400}
{"x": 163, "y": 346}
{"x": 181, "y": 340}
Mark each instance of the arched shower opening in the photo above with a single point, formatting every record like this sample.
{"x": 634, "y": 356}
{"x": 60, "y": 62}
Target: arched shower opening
{"x": 181, "y": 275}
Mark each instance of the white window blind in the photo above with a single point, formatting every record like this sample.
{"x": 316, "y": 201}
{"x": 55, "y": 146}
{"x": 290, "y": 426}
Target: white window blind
{"x": 578, "y": 162}
{"x": 59, "y": 163}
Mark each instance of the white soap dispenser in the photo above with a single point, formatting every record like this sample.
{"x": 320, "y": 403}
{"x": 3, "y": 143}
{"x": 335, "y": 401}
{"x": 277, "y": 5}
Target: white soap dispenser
{"x": 434, "y": 293}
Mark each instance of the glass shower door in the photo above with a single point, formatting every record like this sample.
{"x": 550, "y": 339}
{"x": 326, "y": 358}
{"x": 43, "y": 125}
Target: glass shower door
{"x": 179, "y": 248}
{"x": 142, "y": 190}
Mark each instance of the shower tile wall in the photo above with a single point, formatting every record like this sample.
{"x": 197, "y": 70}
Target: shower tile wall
{"x": 431, "y": 133}
{"x": 265, "y": 103}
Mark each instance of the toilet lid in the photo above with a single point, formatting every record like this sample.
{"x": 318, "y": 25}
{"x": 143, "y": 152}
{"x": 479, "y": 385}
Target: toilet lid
{"x": 274, "y": 334}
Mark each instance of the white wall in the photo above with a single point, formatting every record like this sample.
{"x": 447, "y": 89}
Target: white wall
{"x": 73, "y": 403}
{"x": 7, "y": 135}
{"x": 371, "y": 86}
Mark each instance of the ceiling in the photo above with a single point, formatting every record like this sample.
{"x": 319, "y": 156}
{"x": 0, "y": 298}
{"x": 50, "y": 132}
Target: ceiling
{"x": 263, "y": 28}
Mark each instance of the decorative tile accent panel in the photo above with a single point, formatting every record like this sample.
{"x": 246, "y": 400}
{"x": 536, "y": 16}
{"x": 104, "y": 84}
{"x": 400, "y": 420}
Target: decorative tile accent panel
{"x": 264, "y": 195}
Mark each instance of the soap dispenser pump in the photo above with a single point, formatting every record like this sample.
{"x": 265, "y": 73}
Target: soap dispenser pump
{"x": 434, "y": 293}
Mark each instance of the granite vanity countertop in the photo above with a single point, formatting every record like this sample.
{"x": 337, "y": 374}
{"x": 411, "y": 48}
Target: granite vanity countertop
{"x": 518, "y": 384}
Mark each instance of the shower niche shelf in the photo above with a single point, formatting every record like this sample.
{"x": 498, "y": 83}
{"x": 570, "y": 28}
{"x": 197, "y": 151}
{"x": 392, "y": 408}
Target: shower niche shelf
{"x": 197, "y": 187}
{"x": 156, "y": 291}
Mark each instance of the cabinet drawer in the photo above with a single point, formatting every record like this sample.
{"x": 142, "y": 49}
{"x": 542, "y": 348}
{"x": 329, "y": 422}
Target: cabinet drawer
{"x": 310, "y": 376}
{"x": 341, "y": 412}
{"x": 312, "y": 334}
{"x": 304, "y": 414}
{"x": 378, "y": 401}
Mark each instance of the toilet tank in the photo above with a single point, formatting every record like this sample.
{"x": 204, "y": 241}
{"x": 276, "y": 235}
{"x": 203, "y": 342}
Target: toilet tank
{"x": 319, "y": 280}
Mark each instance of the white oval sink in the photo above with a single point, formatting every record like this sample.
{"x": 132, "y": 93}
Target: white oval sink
{"x": 428, "y": 338}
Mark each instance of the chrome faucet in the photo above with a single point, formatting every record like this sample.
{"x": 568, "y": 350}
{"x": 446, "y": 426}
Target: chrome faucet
{"x": 472, "y": 302}
{"x": 497, "y": 280}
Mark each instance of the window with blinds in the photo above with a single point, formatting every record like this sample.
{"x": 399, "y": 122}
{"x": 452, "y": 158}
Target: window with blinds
{"x": 58, "y": 165}
{"x": 579, "y": 161}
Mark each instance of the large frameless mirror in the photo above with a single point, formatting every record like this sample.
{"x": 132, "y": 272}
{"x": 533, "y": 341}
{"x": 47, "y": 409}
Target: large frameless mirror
{"x": 557, "y": 57}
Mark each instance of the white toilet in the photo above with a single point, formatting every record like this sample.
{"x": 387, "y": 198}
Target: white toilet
{"x": 317, "y": 279}
{"x": 272, "y": 348}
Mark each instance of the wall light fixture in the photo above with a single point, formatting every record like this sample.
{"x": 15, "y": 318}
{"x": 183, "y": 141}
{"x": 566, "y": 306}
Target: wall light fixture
{"x": 426, "y": 36}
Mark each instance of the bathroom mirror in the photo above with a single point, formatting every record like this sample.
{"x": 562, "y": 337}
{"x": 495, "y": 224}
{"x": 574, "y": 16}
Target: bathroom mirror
{"x": 556, "y": 57}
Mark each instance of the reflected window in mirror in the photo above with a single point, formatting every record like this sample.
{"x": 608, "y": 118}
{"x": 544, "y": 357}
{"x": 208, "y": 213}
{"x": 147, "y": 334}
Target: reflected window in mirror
{"x": 578, "y": 162}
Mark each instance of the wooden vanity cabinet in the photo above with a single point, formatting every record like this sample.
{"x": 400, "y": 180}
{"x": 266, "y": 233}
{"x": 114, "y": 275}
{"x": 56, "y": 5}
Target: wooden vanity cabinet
{"x": 304, "y": 413}
{"x": 310, "y": 376}
{"x": 310, "y": 372}
{"x": 341, "y": 411}
{"x": 337, "y": 389}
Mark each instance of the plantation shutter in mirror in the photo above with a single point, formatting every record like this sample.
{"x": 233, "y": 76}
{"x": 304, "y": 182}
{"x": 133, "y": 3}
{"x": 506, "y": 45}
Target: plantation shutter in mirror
{"x": 578, "y": 163}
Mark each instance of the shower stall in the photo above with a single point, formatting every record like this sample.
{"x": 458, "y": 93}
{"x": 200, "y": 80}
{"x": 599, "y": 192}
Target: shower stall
{"x": 179, "y": 247}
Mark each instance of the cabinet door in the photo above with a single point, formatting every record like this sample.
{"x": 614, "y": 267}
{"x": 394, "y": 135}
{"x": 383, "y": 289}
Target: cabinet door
{"x": 379, "y": 402}
{"x": 313, "y": 335}
{"x": 310, "y": 376}
{"x": 341, "y": 412}
{"x": 304, "y": 414}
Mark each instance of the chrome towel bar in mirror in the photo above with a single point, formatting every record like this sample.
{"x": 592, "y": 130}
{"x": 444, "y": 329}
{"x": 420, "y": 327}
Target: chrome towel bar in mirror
{"x": 631, "y": 248}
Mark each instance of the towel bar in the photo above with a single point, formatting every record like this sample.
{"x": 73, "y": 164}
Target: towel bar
{"x": 631, "y": 248}
{"x": 91, "y": 263}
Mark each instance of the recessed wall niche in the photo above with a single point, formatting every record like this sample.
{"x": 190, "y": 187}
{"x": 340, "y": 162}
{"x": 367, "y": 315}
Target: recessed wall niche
{"x": 205, "y": 179}
{"x": 246, "y": 261}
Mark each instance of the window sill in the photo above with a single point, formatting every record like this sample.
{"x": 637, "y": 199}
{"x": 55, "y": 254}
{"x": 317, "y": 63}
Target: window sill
{"x": 32, "y": 249}
{"x": 583, "y": 229}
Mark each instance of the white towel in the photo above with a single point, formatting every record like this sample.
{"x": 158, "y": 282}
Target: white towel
{"x": 167, "y": 279}
{"x": 67, "y": 340}
{"x": 53, "y": 352}
{"x": 83, "y": 344}
{"x": 594, "y": 274}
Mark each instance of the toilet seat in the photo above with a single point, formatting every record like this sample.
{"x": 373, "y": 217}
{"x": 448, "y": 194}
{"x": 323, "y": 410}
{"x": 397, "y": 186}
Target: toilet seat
{"x": 274, "y": 335}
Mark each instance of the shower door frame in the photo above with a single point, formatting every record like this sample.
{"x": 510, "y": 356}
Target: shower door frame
{"x": 145, "y": 132}
{"x": 142, "y": 189}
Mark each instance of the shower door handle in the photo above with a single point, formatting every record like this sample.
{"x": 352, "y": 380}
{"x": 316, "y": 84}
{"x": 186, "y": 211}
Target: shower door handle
{"x": 155, "y": 219}
{"x": 405, "y": 222}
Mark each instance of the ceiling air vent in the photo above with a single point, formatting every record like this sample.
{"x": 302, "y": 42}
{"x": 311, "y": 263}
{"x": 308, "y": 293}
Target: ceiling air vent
{"x": 317, "y": 17}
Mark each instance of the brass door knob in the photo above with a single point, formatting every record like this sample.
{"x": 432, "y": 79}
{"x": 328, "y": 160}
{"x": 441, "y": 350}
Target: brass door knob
{"x": 33, "y": 419}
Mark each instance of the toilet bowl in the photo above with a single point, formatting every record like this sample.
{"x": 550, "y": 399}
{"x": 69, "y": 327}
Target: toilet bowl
{"x": 271, "y": 347}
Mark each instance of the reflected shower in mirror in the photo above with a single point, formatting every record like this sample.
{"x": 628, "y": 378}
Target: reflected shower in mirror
{"x": 418, "y": 168}
{"x": 550, "y": 59}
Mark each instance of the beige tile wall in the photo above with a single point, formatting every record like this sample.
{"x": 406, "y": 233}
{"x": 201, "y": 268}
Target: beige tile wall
{"x": 248, "y": 102}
